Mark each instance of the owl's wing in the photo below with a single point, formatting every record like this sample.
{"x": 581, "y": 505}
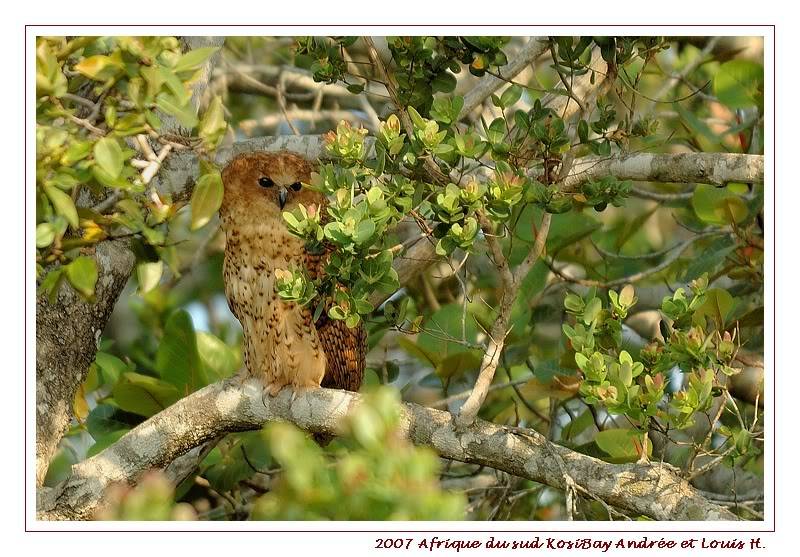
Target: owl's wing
{"x": 345, "y": 353}
{"x": 345, "y": 348}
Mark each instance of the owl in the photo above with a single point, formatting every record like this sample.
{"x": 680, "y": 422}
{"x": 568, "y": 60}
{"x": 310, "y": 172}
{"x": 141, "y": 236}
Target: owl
{"x": 283, "y": 344}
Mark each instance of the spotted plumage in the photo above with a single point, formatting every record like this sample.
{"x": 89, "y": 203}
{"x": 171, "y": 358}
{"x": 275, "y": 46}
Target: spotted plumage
{"x": 283, "y": 345}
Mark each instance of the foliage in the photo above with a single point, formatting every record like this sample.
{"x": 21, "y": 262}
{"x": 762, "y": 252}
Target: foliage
{"x": 151, "y": 499}
{"x": 120, "y": 88}
{"x": 694, "y": 342}
{"x": 377, "y": 475}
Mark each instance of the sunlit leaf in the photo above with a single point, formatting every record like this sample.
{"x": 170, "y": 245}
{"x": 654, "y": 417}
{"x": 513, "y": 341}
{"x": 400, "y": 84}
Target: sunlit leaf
{"x": 740, "y": 84}
{"x": 193, "y": 59}
{"x": 108, "y": 154}
{"x": 82, "y": 275}
{"x": 148, "y": 275}
{"x": 63, "y": 205}
{"x": 144, "y": 395}
{"x": 622, "y": 445}
{"x": 718, "y": 205}
{"x": 45, "y": 234}
{"x": 177, "y": 359}
{"x": 219, "y": 359}
{"x": 184, "y": 113}
{"x": 206, "y": 199}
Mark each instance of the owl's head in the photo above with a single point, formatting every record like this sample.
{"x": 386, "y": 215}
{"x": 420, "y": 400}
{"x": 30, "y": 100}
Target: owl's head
{"x": 262, "y": 183}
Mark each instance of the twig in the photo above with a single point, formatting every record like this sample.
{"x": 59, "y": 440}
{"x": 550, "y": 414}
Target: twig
{"x": 444, "y": 402}
{"x": 511, "y": 283}
{"x": 678, "y": 251}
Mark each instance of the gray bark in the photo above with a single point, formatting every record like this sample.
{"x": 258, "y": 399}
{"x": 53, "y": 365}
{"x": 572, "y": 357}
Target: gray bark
{"x": 67, "y": 333}
{"x": 701, "y": 168}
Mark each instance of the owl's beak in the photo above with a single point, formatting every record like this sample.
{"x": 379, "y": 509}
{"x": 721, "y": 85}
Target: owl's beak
{"x": 282, "y": 197}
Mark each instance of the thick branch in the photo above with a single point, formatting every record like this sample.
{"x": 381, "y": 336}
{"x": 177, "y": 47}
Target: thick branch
{"x": 238, "y": 405}
{"x": 67, "y": 333}
{"x": 702, "y": 168}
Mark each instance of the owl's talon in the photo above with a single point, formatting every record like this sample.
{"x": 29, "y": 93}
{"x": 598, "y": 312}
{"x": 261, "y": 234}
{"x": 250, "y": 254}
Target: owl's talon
{"x": 273, "y": 389}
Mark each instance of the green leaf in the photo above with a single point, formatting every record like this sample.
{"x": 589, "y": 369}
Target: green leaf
{"x": 510, "y": 96}
{"x": 458, "y": 364}
{"x": 149, "y": 275}
{"x": 45, "y": 234}
{"x": 108, "y": 154}
{"x": 99, "y": 67}
{"x": 697, "y": 126}
{"x": 366, "y": 228}
{"x": 416, "y": 119}
{"x": 570, "y": 228}
{"x": 718, "y": 205}
{"x": 442, "y": 330}
{"x": 50, "y": 283}
{"x": 206, "y": 199}
{"x": 592, "y": 310}
{"x": 577, "y": 426}
{"x": 63, "y": 205}
{"x": 108, "y": 180}
{"x": 82, "y": 275}
{"x": 583, "y": 131}
{"x": 193, "y": 59}
{"x": 622, "y": 445}
{"x": 60, "y": 467}
{"x": 184, "y": 113}
{"x": 213, "y": 125}
{"x": 111, "y": 367}
{"x": 177, "y": 358}
{"x": 236, "y": 459}
{"x": 105, "y": 441}
{"x": 418, "y": 352}
{"x": 740, "y": 84}
{"x": 78, "y": 150}
{"x": 219, "y": 359}
{"x": 105, "y": 419}
{"x": 717, "y": 305}
{"x": 632, "y": 227}
{"x": 444, "y": 82}
{"x": 714, "y": 255}
{"x": 144, "y": 395}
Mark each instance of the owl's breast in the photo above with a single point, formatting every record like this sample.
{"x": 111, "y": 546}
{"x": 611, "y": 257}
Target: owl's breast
{"x": 280, "y": 338}
{"x": 253, "y": 252}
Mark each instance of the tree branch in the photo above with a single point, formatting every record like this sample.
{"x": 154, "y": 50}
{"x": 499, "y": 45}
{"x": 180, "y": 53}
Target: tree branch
{"x": 240, "y": 404}
{"x": 701, "y": 168}
{"x": 534, "y": 48}
{"x": 67, "y": 333}
{"x": 511, "y": 282}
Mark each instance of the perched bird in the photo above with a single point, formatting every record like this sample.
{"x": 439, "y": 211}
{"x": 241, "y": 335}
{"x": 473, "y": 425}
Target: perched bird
{"x": 283, "y": 344}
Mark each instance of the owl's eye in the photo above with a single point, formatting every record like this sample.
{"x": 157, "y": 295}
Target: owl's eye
{"x": 296, "y": 186}
{"x": 265, "y": 182}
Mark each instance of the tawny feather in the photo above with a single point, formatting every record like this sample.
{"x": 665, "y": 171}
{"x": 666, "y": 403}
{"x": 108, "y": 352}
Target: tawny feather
{"x": 282, "y": 343}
